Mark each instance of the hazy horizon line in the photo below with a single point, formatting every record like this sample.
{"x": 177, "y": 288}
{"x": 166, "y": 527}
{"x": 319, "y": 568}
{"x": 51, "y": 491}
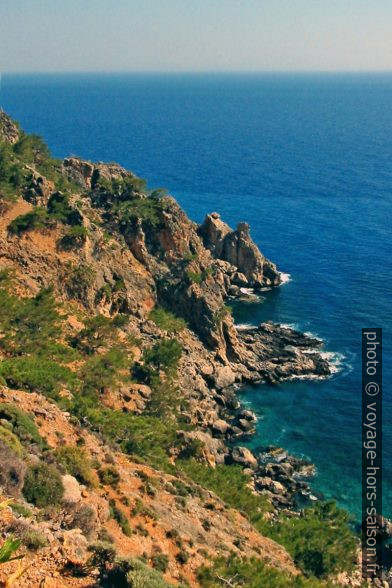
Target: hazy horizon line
{"x": 201, "y": 72}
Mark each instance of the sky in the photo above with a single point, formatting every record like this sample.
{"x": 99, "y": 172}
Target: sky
{"x": 195, "y": 35}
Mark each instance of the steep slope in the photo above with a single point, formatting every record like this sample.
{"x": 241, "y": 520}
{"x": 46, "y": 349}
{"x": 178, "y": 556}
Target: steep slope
{"x": 119, "y": 359}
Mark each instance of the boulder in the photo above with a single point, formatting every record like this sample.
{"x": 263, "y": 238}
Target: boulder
{"x": 245, "y": 425}
{"x": 239, "y": 279}
{"x": 220, "y": 427}
{"x": 72, "y": 490}
{"x": 244, "y": 457}
{"x": 75, "y": 547}
{"x": 224, "y": 377}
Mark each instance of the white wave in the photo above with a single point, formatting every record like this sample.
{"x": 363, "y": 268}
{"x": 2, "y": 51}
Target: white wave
{"x": 335, "y": 361}
{"x": 285, "y": 278}
{"x": 247, "y": 290}
{"x": 245, "y": 326}
{"x": 312, "y": 335}
{"x": 289, "y": 326}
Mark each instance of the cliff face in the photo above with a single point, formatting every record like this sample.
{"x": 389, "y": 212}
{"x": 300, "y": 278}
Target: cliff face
{"x": 111, "y": 249}
{"x": 237, "y": 248}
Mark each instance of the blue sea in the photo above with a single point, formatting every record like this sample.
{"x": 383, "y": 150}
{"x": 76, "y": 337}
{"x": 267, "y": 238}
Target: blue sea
{"x": 307, "y": 161}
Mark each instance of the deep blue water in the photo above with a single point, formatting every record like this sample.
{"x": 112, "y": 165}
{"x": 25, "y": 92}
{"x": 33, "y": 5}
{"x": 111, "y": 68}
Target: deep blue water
{"x": 307, "y": 161}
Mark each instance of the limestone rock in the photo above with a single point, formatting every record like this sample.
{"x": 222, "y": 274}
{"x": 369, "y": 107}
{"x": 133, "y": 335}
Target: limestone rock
{"x": 237, "y": 248}
{"x": 8, "y": 129}
{"x": 244, "y": 457}
{"x": 224, "y": 377}
{"x": 75, "y": 546}
{"x": 220, "y": 427}
{"x": 72, "y": 490}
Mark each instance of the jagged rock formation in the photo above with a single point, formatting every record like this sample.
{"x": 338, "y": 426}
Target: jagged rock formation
{"x": 237, "y": 248}
{"x": 9, "y": 131}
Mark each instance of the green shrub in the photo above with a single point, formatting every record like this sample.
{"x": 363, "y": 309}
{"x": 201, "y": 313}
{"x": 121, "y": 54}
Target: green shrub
{"x": 74, "y": 237}
{"x": 148, "y": 210}
{"x": 133, "y": 573}
{"x": 78, "y": 279}
{"x": 249, "y": 572}
{"x": 164, "y": 355}
{"x": 43, "y": 485}
{"x": 102, "y": 556}
{"x": 231, "y": 485}
{"x": 99, "y": 330}
{"x": 31, "y": 149}
{"x": 164, "y": 399}
{"x": 320, "y": 540}
{"x": 194, "y": 277}
{"x": 21, "y": 509}
{"x": 22, "y": 424}
{"x": 141, "y": 509}
{"x": 34, "y": 540}
{"x": 35, "y": 219}
{"x": 12, "y": 471}
{"x": 11, "y": 440}
{"x": 85, "y": 519}
{"x": 75, "y": 462}
{"x": 109, "y": 476}
{"x": 118, "y": 515}
{"x": 60, "y": 210}
{"x": 36, "y": 374}
{"x": 146, "y": 436}
{"x": 182, "y": 557}
{"x": 102, "y": 371}
{"x": 31, "y": 325}
{"x": 198, "y": 277}
{"x": 167, "y": 321}
{"x": 160, "y": 562}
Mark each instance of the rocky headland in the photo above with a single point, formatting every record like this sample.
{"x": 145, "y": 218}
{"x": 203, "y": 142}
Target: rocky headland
{"x": 105, "y": 246}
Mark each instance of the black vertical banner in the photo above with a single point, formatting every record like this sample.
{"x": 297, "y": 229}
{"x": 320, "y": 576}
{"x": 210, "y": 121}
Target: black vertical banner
{"x": 372, "y": 532}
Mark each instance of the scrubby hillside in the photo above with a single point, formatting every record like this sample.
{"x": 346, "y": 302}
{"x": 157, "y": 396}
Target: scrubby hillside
{"x": 118, "y": 364}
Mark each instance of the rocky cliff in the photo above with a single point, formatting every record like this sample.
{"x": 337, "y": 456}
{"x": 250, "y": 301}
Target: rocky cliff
{"x": 137, "y": 364}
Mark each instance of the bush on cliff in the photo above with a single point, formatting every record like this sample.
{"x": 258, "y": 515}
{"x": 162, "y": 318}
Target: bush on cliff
{"x": 320, "y": 540}
{"x": 75, "y": 461}
{"x": 31, "y": 149}
{"x": 166, "y": 320}
{"x": 36, "y": 375}
{"x": 42, "y": 485}
{"x": 133, "y": 573}
{"x": 249, "y": 572}
{"x": 102, "y": 371}
{"x": 74, "y": 238}
{"x": 164, "y": 355}
{"x": 148, "y": 437}
{"x": 12, "y": 470}
{"x": 11, "y": 440}
{"x": 21, "y": 424}
{"x": 31, "y": 325}
{"x": 230, "y": 484}
{"x": 35, "y": 219}
{"x": 98, "y": 332}
{"x": 59, "y": 209}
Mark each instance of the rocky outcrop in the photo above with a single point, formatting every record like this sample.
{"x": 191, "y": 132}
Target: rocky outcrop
{"x": 9, "y": 130}
{"x": 237, "y": 248}
{"x": 273, "y": 353}
{"x": 87, "y": 174}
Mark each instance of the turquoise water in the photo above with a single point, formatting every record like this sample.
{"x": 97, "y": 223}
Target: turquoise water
{"x": 307, "y": 161}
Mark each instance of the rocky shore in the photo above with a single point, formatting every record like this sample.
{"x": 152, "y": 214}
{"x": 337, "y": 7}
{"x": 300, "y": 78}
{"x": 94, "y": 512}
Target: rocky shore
{"x": 138, "y": 251}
